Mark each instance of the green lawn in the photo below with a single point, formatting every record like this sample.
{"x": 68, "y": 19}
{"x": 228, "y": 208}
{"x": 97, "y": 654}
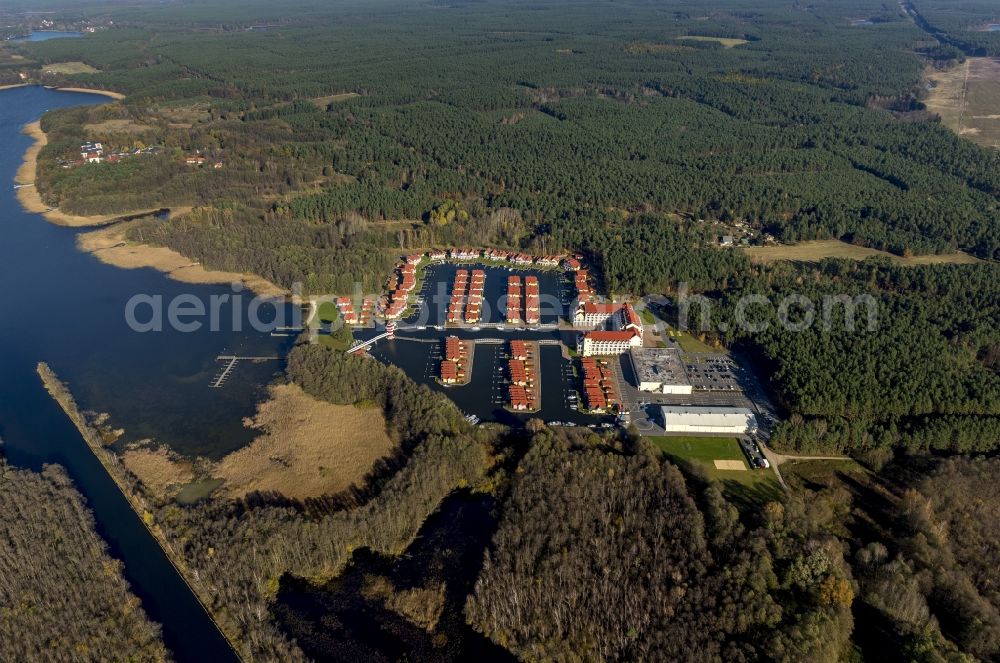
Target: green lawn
{"x": 328, "y": 312}
{"x": 704, "y": 449}
{"x": 747, "y": 488}
{"x": 689, "y": 343}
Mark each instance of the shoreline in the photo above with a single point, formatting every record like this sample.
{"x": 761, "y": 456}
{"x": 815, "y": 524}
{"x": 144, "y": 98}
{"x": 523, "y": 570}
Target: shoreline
{"x": 118, "y": 96}
{"x": 31, "y": 200}
{"x": 60, "y": 392}
{"x": 109, "y": 245}
{"x": 89, "y": 90}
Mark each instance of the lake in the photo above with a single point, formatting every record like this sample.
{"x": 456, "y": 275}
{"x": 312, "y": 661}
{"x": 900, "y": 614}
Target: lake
{"x": 45, "y": 35}
{"x": 67, "y": 308}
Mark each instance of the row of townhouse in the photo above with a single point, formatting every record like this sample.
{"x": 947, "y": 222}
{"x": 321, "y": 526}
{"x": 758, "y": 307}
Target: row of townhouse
{"x": 466, "y": 303}
{"x": 523, "y": 304}
{"x": 599, "y": 391}
{"x": 455, "y": 362}
{"x": 523, "y": 388}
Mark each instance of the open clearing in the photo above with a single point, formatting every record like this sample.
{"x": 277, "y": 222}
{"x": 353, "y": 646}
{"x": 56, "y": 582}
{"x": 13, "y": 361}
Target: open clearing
{"x": 308, "y": 447}
{"x": 816, "y": 250}
{"x": 967, "y": 98}
{"x": 725, "y": 41}
{"x": 117, "y": 126}
{"x": 70, "y": 68}
{"x": 323, "y": 102}
{"x": 721, "y": 458}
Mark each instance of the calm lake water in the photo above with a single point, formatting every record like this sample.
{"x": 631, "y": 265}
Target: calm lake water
{"x": 67, "y": 308}
{"x": 45, "y": 35}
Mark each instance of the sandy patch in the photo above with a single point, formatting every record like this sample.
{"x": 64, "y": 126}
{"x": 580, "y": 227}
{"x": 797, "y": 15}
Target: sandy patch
{"x": 13, "y": 85}
{"x": 737, "y": 465}
{"x": 106, "y": 93}
{"x": 157, "y": 470}
{"x": 307, "y": 448}
{"x": 110, "y": 246}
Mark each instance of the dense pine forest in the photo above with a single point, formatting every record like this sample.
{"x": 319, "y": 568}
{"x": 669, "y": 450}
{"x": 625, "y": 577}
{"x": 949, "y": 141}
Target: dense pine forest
{"x": 62, "y": 597}
{"x": 333, "y": 134}
{"x": 593, "y": 546}
{"x": 911, "y": 361}
{"x": 577, "y": 121}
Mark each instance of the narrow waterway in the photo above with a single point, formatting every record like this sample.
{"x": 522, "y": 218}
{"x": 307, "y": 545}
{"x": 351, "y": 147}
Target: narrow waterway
{"x": 65, "y": 307}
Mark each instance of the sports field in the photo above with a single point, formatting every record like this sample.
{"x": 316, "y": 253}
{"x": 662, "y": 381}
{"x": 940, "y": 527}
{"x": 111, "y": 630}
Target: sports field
{"x": 748, "y": 487}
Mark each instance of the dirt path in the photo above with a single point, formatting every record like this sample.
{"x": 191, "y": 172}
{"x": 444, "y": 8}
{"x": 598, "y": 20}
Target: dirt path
{"x": 776, "y": 459}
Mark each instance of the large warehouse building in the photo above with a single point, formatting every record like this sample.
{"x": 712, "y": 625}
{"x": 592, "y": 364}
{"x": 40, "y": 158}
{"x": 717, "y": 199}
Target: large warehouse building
{"x": 659, "y": 370}
{"x": 723, "y": 420}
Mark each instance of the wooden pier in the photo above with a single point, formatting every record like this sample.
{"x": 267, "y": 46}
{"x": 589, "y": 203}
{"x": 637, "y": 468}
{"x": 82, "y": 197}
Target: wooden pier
{"x": 231, "y": 360}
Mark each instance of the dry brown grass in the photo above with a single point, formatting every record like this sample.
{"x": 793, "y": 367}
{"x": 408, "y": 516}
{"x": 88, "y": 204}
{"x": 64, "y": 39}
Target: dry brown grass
{"x": 117, "y": 126}
{"x": 158, "y": 470}
{"x": 307, "y": 448}
{"x": 816, "y": 250}
{"x": 967, "y": 98}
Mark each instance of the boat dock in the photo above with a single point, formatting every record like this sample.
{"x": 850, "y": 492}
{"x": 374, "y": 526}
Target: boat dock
{"x": 231, "y": 360}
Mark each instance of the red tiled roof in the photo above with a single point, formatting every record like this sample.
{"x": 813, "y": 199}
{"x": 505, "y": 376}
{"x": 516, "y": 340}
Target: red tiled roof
{"x": 611, "y": 335}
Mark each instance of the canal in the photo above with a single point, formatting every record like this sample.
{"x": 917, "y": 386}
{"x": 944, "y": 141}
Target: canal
{"x": 67, "y": 308}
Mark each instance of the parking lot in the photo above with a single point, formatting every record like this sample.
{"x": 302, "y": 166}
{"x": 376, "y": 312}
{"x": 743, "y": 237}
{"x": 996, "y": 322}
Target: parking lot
{"x": 712, "y": 372}
{"x": 717, "y": 370}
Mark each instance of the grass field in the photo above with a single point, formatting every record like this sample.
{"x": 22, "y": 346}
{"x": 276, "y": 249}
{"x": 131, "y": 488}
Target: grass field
{"x": 967, "y": 98}
{"x": 745, "y": 487}
{"x": 818, "y": 471}
{"x": 70, "y": 68}
{"x": 307, "y": 447}
{"x": 690, "y": 343}
{"x": 328, "y": 312}
{"x": 816, "y": 250}
{"x": 725, "y": 41}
